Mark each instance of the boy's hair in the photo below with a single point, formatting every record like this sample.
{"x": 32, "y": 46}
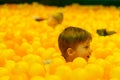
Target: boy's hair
{"x": 70, "y": 37}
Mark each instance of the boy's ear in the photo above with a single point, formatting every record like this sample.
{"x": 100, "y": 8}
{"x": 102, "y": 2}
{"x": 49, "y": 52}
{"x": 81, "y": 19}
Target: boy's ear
{"x": 70, "y": 51}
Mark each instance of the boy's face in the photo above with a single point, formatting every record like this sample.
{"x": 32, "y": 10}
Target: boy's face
{"x": 83, "y": 50}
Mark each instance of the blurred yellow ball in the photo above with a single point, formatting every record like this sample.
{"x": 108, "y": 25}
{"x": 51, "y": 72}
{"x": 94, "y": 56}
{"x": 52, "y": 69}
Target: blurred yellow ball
{"x": 55, "y": 62}
{"x": 8, "y": 53}
{"x": 114, "y": 79}
{"x": 10, "y": 64}
{"x": 79, "y": 74}
{"x": 2, "y": 62}
{"x": 79, "y": 62}
{"x": 65, "y": 72}
{"x": 21, "y": 67}
{"x": 37, "y": 69}
{"x": 37, "y": 78}
{"x": 115, "y": 71}
{"x": 22, "y": 76}
{"x": 4, "y": 71}
{"x": 32, "y": 58}
{"x": 5, "y": 78}
{"x": 94, "y": 71}
{"x": 52, "y": 77}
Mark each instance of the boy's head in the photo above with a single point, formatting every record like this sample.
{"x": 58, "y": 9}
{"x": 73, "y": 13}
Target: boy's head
{"x": 74, "y": 42}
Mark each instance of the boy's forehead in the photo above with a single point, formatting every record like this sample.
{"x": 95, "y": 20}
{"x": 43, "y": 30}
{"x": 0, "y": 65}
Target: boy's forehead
{"x": 87, "y": 42}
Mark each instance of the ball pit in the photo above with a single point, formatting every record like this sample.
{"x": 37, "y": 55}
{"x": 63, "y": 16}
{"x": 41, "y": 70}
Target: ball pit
{"x": 29, "y": 49}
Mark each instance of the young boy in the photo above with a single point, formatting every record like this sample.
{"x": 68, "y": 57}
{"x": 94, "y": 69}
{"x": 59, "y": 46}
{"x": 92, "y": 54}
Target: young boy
{"x": 74, "y": 42}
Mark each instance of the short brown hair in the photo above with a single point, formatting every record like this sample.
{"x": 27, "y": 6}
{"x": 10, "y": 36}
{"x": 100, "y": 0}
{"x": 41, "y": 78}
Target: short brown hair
{"x": 70, "y": 37}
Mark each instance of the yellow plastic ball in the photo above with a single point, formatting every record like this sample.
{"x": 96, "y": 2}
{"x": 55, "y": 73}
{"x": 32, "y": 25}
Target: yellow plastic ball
{"x": 37, "y": 69}
{"x": 79, "y": 62}
{"x": 37, "y": 78}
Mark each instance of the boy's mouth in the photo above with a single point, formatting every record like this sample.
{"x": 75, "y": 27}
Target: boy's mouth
{"x": 88, "y": 56}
